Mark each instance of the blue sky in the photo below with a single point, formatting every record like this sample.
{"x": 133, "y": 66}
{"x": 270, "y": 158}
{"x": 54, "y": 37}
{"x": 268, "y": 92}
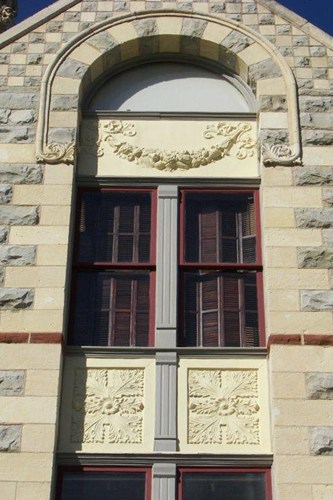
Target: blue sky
{"x": 319, "y": 12}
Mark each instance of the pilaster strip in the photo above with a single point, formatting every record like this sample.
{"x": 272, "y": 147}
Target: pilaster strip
{"x": 166, "y": 402}
{"x": 164, "y": 481}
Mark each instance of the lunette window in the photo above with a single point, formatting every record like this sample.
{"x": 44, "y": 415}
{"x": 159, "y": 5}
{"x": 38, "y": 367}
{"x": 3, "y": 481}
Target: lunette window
{"x": 114, "y": 268}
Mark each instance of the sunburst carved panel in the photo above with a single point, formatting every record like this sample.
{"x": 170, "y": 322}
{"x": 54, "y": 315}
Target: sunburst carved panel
{"x": 223, "y": 407}
{"x": 108, "y": 406}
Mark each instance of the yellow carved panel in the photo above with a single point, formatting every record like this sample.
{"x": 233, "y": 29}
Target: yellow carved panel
{"x": 168, "y": 148}
{"x": 105, "y": 408}
{"x": 223, "y": 406}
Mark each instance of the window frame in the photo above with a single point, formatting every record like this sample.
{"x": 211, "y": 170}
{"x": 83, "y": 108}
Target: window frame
{"x": 184, "y": 266}
{"x": 225, "y": 470}
{"x": 105, "y": 266}
{"x": 104, "y": 469}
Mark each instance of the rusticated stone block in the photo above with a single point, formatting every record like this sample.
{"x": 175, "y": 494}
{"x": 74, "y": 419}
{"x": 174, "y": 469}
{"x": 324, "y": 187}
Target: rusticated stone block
{"x": 11, "y": 383}
{"x": 314, "y": 217}
{"x": 328, "y": 195}
{"x": 64, "y": 102}
{"x": 317, "y": 120}
{"x": 236, "y": 41}
{"x": 16, "y": 298}
{"x": 10, "y": 438}
{"x": 193, "y": 27}
{"x": 5, "y": 193}
{"x": 4, "y": 115}
{"x": 273, "y": 136}
{"x": 217, "y": 7}
{"x": 328, "y": 237}
{"x": 3, "y": 234}
{"x": 17, "y": 255}
{"x": 317, "y": 137}
{"x": 72, "y": 69}
{"x": 266, "y": 19}
{"x": 17, "y": 100}
{"x": 264, "y": 69}
{"x": 16, "y": 215}
{"x": 321, "y": 440}
{"x": 319, "y": 385}
{"x": 17, "y": 135}
{"x": 103, "y": 42}
{"x": 146, "y": 27}
{"x": 313, "y": 176}
{"x": 316, "y": 103}
{"x": 317, "y": 300}
{"x": 22, "y": 116}
{"x": 20, "y": 174}
{"x": 315, "y": 258}
{"x": 273, "y": 103}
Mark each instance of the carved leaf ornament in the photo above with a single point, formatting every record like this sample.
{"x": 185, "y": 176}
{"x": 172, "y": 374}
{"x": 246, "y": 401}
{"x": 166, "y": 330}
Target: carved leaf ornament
{"x": 223, "y": 407}
{"x": 108, "y": 406}
{"x": 234, "y": 139}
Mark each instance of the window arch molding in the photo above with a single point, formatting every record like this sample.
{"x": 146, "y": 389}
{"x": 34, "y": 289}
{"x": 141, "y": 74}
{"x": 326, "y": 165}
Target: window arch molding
{"x": 91, "y": 52}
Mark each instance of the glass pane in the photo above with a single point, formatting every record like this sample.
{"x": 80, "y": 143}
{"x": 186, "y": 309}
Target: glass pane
{"x": 103, "y": 486}
{"x": 224, "y": 486}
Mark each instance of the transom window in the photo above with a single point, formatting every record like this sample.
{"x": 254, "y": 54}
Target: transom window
{"x": 114, "y": 269}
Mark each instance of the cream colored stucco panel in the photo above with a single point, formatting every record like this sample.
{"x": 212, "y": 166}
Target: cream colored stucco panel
{"x": 169, "y": 148}
{"x": 223, "y": 406}
{"x": 108, "y": 405}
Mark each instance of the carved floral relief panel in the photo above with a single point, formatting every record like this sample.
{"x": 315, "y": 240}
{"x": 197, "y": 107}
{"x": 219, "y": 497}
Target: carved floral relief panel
{"x": 226, "y": 406}
{"x": 105, "y": 406}
{"x": 224, "y": 148}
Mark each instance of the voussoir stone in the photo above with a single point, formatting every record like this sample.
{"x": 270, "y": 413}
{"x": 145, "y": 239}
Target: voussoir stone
{"x": 72, "y": 69}
{"x": 17, "y": 255}
{"x": 193, "y": 27}
{"x": 313, "y": 175}
{"x": 315, "y": 258}
{"x": 10, "y": 438}
{"x": 146, "y": 27}
{"x": 321, "y": 440}
{"x": 319, "y": 385}
{"x": 16, "y": 298}
{"x": 264, "y": 69}
{"x": 103, "y": 42}
{"x": 314, "y": 217}
{"x": 236, "y": 41}
{"x": 317, "y": 300}
{"x": 16, "y": 215}
{"x": 11, "y": 382}
{"x": 20, "y": 173}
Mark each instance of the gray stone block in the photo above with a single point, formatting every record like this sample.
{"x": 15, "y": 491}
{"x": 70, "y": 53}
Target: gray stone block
{"x": 32, "y": 81}
{"x": 17, "y": 255}
{"x": 18, "y": 100}
{"x": 120, "y": 6}
{"x": 328, "y": 237}
{"x": 316, "y": 103}
{"x": 266, "y": 19}
{"x": 236, "y": 41}
{"x": 146, "y": 27}
{"x": 15, "y": 215}
{"x": 302, "y": 62}
{"x": 3, "y": 234}
{"x": 15, "y": 134}
{"x": 249, "y": 8}
{"x": 72, "y": 69}
{"x": 317, "y": 137}
{"x": 4, "y": 115}
{"x": 34, "y": 59}
{"x": 301, "y": 40}
{"x": 5, "y": 193}
{"x": 189, "y": 45}
{"x": 16, "y": 298}
{"x": 304, "y": 85}
{"x": 321, "y": 441}
{"x": 328, "y": 196}
{"x": 283, "y": 29}
{"x": 317, "y": 120}
{"x": 313, "y": 176}
{"x": 285, "y": 51}
{"x": 273, "y": 136}
{"x": 4, "y": 59}
{"x": 10, "y": 438}
{"x": 317, "y": 51}
{"x": 314, "y": 217}
{"x": 22, "y": 116}
{"x": 89, "y": 6}
{"x": 36, "y": 37}
{"x": 20, "y": 174}
{"x": 317, "y": 300}
{"x": 19, "y": 48}
{"x": 264, "y": 69}
{"x": 11, "y": 382}
{"x": 273, "y": 103}
{"x": 64, "y": 102}
{"x": 193, "y": 27}
{"x": 54, "y": 27}
{"x": 16, "y": 70}
{"x": 217, "y": 7}
{"x": 315, "y": 258}
{"x": 319, "y": 385}
{"x": 62, "y": 135}
{"x": 103, "y": 42}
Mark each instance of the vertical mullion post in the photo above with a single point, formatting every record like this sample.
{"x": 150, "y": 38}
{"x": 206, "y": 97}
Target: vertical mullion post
{"x": 166, "y": 402}
{"x": 164, "y": 481}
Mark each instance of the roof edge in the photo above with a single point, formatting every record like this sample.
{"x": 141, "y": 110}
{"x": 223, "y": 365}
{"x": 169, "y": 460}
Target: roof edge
{"x": 299, "y": 22}
{"x": 36, "y": 20}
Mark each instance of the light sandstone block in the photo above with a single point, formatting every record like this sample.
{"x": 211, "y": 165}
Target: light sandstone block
{"x": 49, "y": 298}
{"x": 284, "y": 257}
{"x": 286, "y": 385}
{"x": 277, "y": 176}
{"x": 301, "y": 359}
{"x": 29, "y": 409}
{"x": 300, "y": 322}
{"x": 52, "y": 255}
{"x": 282, "y": 300}
{"x": 45, "y": 277}
{"x": 169, "y": 43}
{"x": 273, "y": 120}
{"x": 318, "y": 155}
{"x": 296, "y": 279}
{"x": 33, "y": 491}
{"x": 63, "y": 119}
{"x": 279, "y": 217}
{"x": 253, "y": 54}
{"x": 30, "y": 356}
{"x": 39, "y": 235}
{"x": 215, "y": 32}
{"x": 32, "y": 467}
{"x": 301, "y": 413}
{"x": 124, "y": 32}
{"x": 38, "y": 438}
{"x": 54, "y": 215}
{"x": 293, "y": 491}
{"x": 322, "y": 491}
{"x": 286, "y": 237}
{"x": 42, "y": 383}
{"x": 130, "y": 49}
{"x": 7, "y": 490}
{"x": 302, "y": 469}
{"x": 41, "y": 195}
{"x": 292, "y": 197}
{"x": 271, "y": 86}
{"x": 17, "y": 153}
{"x": 290, "y": 440}
{"x": 66, "y": 85}
{"x": 39, "y": 321}
{"x": 58, "y": 174}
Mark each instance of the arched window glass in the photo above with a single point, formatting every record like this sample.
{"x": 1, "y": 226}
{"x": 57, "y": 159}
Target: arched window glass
{"x": 171, "y": 87}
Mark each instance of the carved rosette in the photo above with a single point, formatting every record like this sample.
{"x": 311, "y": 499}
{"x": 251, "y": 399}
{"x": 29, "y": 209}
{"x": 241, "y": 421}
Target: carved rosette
{"x": 223, "y": 407}
{"x": 108, "y": 406}
{"x": 234, "y": 139}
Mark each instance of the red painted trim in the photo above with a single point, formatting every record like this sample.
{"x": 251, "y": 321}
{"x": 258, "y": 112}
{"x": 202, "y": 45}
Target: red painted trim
{"x": 46, "y": 338}
{"x": 318, "y": 340}
{"x": 14, "y": 338}
{"x": 225, "y": 470}
{"x": 284, "y": 339}
{"x": 261, "y": 309}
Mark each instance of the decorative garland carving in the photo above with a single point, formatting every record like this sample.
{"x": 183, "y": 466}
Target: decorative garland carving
{"x": 223, "y": 407}
{"x": 57, "y": 153}
{"x": 281, "y": 154}
{"x": 235, "y": 140}
{"x": 108, "y": 406}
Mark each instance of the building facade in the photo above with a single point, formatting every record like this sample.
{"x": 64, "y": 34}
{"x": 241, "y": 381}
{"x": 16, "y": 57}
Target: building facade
{"x": 166, "y": 228}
